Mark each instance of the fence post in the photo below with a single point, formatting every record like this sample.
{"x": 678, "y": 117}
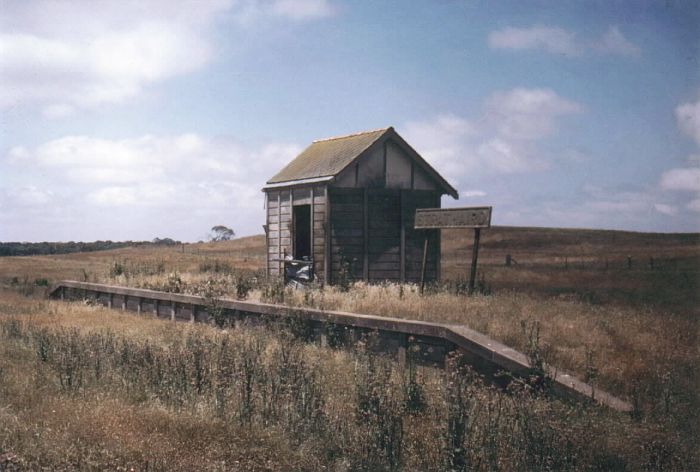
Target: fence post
{"x": 173, "y": 307}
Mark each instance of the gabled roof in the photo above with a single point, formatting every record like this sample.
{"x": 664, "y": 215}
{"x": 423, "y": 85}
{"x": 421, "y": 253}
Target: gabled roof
{"x": 326, "y": 158}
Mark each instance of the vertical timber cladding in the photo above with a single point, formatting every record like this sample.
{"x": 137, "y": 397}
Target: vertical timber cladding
{"x": 319, "y": 231}
{"x": 384, "y": 234}
{"x": 387, "y": 209}
{"x": 279, "y": 220}
{"x": 347, "y": 238}
{"x": 280, "y": 223}
{"x": 273, "y": 232}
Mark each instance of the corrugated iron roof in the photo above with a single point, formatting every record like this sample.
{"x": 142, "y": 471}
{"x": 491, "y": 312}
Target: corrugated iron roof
{"x": 327, "y": 157}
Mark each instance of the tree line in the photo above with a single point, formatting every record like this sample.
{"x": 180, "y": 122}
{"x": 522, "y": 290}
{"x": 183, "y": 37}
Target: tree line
{"x": 44, "y": 248}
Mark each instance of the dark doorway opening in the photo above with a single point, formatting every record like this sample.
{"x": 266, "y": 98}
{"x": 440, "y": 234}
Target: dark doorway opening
{"x": 302, "y": 231}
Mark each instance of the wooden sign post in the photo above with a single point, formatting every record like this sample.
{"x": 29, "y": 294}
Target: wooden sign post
{"x": 441, "y": 218}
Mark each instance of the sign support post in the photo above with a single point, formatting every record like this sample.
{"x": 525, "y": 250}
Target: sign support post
{"x": 475, "y": 256}
{"x": 422, "y": 269}
{"x": 441, "y": 218}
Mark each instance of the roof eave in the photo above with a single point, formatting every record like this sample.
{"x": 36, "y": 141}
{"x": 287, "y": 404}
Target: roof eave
{"x": 297, "y": 183}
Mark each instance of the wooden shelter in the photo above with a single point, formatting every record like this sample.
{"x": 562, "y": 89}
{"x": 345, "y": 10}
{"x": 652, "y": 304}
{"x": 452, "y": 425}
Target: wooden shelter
{"x": 348, "y": 204}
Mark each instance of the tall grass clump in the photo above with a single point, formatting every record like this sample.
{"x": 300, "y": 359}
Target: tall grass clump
{"x": 344, "y": 411}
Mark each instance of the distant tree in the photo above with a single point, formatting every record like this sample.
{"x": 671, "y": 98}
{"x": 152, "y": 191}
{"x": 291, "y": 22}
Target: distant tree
{"x": 165, "y": 241}
{"x": 221, "y": 233}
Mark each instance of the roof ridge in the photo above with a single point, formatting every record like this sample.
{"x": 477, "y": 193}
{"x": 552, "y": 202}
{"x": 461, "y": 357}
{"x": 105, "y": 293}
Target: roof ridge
{"x": 351, "y": 135}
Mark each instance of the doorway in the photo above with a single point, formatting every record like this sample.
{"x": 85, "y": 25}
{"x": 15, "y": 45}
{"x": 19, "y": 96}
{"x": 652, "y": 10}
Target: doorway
{"x": 302, "y": 232}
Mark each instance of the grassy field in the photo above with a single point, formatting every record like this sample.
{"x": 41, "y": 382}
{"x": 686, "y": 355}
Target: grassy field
{"x": 618, "y": 309}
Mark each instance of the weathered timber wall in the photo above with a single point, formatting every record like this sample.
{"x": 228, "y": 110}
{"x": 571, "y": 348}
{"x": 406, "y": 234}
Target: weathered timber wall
{"x": 280, "y": 224}
{"x": 372, "y": 229}
{"x": 420, "y": 341}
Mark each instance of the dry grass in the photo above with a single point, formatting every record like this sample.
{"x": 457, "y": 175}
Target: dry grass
{"x": 631, "y": 331}
{"x": 625, "y": 342}
{"x": 123, "y": 419}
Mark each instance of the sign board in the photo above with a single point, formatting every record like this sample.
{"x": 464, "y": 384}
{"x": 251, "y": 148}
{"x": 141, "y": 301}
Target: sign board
{"x": 473, "y": 217}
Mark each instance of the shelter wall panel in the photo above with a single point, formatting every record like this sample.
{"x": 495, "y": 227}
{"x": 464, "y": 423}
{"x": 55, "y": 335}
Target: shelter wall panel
{"x": 345, "y": 224}
{"x": 384, "y": 233}
{"x": 355, "y": 215}
{"x": 377, "y": 275}
{"x": 272, "y": 199}
{"x": 398, "y": 167}
{"x": 382, "y": 266}
{"x": 385, "y": 258}
{"x": 350, "y": 247}
{"x": 285, "y": 218}
{"x": 302, "y": 195}
{"x": 285, "y": 233}
{"x": 346, "y": 207}
{"x": 371, "y": 168}
{"x": 346, "y": 178}
{"x": 272, "y": 235}
{"x": 273, "y": 227}
{"x": 342, "y": 196}
{"x": 421, "y": 181}
{"x": 383, "y": 246}
{"x": 285, "y": 209}
{"x": 346, "y": 233}
{"x": 272, "y": 212}
{"x": 356, "y": 270}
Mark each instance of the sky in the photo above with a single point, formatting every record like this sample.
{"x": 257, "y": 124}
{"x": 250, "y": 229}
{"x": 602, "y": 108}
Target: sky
{"x": 133, "y": 119}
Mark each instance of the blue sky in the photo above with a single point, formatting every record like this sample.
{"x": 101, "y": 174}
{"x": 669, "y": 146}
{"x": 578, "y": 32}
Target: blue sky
{"x": 137, "y": 119}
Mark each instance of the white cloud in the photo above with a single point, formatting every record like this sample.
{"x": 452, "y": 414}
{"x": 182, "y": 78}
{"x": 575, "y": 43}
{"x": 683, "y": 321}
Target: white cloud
{"x": 528, "y": 114}
{"x": 302, "y": 9}
{"x": 687, "y": 179}
{"x": 473, "y": 193}
{"x": 614, "y": 42}
{"x": 550, "y": 39}
{"x": 688, "y": 118}
{"x": 28, "y": 196}
{"x": 558, "y": 40}
{"x": 57, "y": 111}
{"x": 503, "y": 139}
{"x": 64, "y": 56}
{"x": 113, "y": 196}
{"x": 507, "y": 157}
{"x": 190, "y": 178}
{"x": 670, "y": 210}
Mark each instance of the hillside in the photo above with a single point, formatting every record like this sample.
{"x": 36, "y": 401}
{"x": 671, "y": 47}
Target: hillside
{"x": 593, "y": 265}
